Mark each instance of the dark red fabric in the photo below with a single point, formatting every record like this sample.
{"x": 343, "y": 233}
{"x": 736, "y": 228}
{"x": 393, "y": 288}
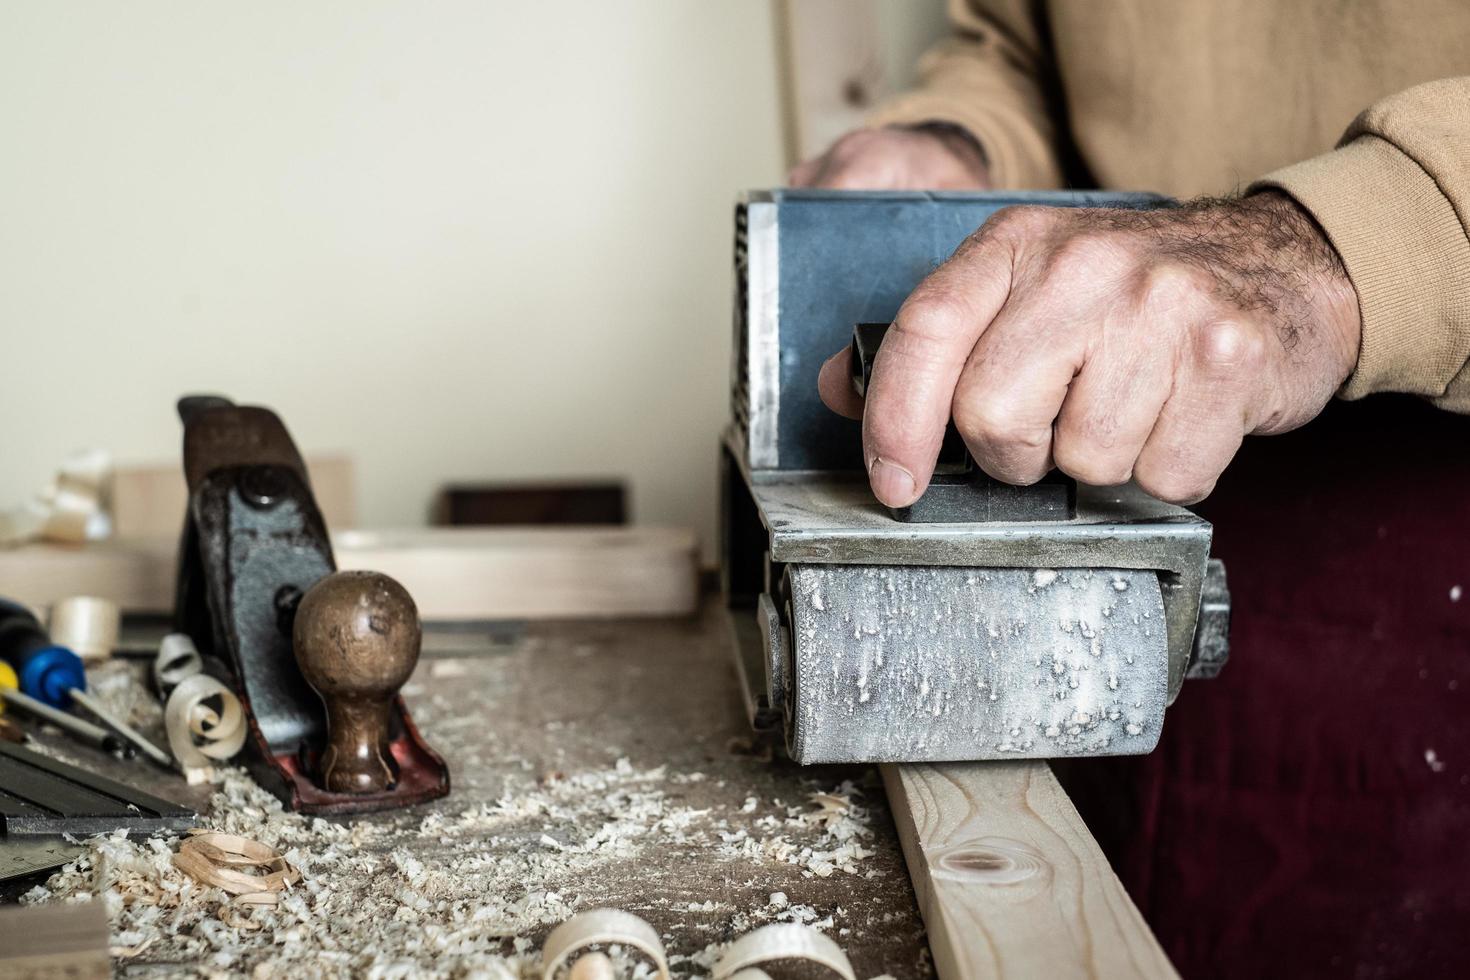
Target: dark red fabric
{"x": 1308, "y": 813}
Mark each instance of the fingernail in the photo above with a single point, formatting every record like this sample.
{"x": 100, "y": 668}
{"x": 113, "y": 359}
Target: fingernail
{"x": 892, "y": 484}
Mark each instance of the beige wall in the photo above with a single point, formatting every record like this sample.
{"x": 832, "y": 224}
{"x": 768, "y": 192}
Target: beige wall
{"x": 457, "y": 239}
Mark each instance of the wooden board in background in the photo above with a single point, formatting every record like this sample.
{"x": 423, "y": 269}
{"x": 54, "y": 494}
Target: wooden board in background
{"x": 452, "y": 573}
{"x": 534, "y": 573}
{"x": 1008, "y": 878}
{"x": 525, "y": 502}
{"x": 149, "y": 501}
{"x": 55, "y": 941}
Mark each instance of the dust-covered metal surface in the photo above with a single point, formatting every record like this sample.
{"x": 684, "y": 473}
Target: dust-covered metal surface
{"x": 916, "y": 663}
{"x": 830, "y": 518}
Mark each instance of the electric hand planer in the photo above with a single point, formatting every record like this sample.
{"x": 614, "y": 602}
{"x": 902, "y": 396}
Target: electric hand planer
{"x": 984, "y": 622}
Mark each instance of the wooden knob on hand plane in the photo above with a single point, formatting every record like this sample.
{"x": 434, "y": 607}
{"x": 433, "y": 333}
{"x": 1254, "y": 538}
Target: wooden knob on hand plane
{"x": 357, "y": 637}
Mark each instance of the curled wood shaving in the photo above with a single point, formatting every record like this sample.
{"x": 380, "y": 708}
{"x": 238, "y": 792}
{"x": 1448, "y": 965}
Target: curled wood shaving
{"x": 198, "y": 734}
{"x": 72, "y": 509}
{"x": 782, "y": 941}
{"x": 602, "y": 927}
{"x": 214, "y": 859}
{"x": 177, "y": 659}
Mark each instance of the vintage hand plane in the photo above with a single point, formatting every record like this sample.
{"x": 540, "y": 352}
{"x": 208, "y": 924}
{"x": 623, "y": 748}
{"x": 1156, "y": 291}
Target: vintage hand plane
{"x": 317, "y": 656}
{"x": 986, "y": 621}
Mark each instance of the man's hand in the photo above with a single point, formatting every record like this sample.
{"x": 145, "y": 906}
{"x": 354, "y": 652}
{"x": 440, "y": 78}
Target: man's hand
{"x": 921, "y": 158}
{"x": 1111, "y": 344}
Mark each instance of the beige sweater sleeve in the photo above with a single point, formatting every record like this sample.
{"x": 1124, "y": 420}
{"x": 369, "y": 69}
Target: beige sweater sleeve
{"x": 989, "y": 80}
{"x": 1394, "y": 198}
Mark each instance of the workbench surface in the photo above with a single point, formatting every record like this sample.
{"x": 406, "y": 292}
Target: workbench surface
{"x": 593, "y": 764}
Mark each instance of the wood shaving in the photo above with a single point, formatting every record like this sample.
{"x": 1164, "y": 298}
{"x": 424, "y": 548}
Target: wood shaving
{"x": 71, "y": 509}
{"x": 782, "y": 942}
{"x": 86, "y": 625}
{"x": 128, "y": 952}
{"x": 844, "y": 826}
{"x": 460, "y": 889}
{"x": 597, "y": 928}
{"x": 177, "y": 659}
{"x": 216, "y": 859}
{"x": 200, "y": 734}
{"x": 453, "y": 892}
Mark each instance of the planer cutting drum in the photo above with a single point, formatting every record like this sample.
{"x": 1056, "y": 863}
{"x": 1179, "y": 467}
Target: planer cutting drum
{"x": 985, "y": 622}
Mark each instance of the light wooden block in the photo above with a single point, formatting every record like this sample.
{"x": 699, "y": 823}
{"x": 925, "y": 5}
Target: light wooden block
{"x": 149, "y": 501}
{"x": 1009, "y": 880}
{"x": 452, "y": 573}
{"x": 42, "y": 942}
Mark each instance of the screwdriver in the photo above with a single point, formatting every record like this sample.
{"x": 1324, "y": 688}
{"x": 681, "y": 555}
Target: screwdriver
{"x": 83, "y": 730}
{"x": 52, "y": 676}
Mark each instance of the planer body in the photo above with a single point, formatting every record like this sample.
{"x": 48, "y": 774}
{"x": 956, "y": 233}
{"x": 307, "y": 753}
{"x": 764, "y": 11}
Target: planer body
{"x": 987, "y": 621}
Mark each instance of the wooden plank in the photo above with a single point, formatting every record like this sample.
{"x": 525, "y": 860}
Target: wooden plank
{"x": 61, "y": 941}
{"x": 137, "y": 575}
{"x": 1008, "y": 878}
{"x": 534, "y": 573}
{"x": 149, "y": 501}
{"x": 453, "y": 573}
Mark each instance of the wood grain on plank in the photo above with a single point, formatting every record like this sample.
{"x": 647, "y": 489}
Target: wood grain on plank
{"x": 452, "y": 573}
{"x": 1008, "y": 878}
{"x": 60, "y": 941}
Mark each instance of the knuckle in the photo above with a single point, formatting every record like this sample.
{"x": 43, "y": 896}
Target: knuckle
{"x": 1170, "y": 288}
{"x": 1010, "y": 228}
{"x": 988, "y": 423}
{"x": 1001, "y": 445}
{"x": 1019, "y": 219}
{"x": 981, "y": 422}
{"x": 1086, "y": 253}
{"x": 1087, "y": 464}
{"x": 1229, "y": 345}
{"x": 931, "y": 313}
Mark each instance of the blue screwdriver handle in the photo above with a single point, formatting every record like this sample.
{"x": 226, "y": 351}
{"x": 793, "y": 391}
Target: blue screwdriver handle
{"x": 47, "y": 672}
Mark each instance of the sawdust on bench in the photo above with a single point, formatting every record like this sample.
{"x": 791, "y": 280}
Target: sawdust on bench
{"x": 463, "y": 892}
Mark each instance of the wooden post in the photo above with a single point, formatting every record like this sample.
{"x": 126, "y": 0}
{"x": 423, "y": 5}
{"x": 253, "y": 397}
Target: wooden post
{"x": 1009, "y": 880}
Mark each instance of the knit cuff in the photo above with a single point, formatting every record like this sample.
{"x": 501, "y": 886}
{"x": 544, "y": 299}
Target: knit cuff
{"x": 1407, "y": 256}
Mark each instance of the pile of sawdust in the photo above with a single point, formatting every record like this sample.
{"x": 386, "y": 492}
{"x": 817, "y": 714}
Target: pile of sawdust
{"x": 843, "y": 823}
{"x": 116, "y": 684}
{"x": 456, "y": 893}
